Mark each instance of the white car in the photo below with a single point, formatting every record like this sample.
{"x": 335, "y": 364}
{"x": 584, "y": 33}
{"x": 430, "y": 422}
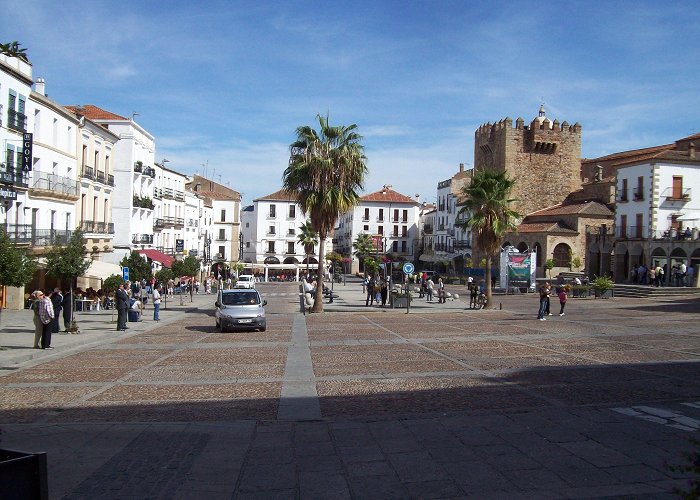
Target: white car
{"x": 245, "y": 281}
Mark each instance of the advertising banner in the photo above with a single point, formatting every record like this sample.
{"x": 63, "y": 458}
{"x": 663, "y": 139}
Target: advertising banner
{"x": 27, "y": 143}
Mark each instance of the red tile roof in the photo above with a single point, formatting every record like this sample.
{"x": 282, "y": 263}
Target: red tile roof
{"x": 585, "y": 208}
{"x": 622, "y": 155}
{"x": 544, "y": 227}
{"x": 94, "y": 113}
{"x": 660, "y": 155}
{"x": 281, "y": 195}
{"x": 389, "y": 196}
{"x": 157, "y": 256}
{"x": 213, "y": 195}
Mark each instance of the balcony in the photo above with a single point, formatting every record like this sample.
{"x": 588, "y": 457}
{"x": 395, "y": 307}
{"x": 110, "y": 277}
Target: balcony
{"x": 676, "y": 234}
{"x": 192, "y": 223}
{"x": 631, "y": 232}
{"x": 25, "y": 234}
{"x": 89, "y": 226}
{"x": 142, "y": 239}
{"x": 100, "y": 177}
{"x": 46, "y": 185}
{"x": 674, "y": 194}
{"x": 172, "y": 194}
{"x": 291, "y": 232}
{"x": 441, "y": 227}
{"x": 173, "y": 221}
{"x": 16, "y": 121}
{"x": 380, "y": 219}
{"x": 150, "y": 172}
{"x": 110, "y": 180}
{"x": 144, "y": 202}
{"x": 88, "y": 173}
{"x": 8, "y": 175}
{"x": 157, "y": 193}
{"x": 428, "y": 229}
{"x": 219, "y": 256}
{"x": 622, "y": 197}
{"x": 462, "y": 244}
{"x": 638, "y": 194}
{"x": 138, "y": 167}
{"x": 158, "y": 224}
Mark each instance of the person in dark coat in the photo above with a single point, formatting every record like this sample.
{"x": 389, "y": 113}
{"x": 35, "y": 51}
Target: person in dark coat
{"x": 57, "y": 303}
{"x": 122, "y": 304}
{"x": 67, "y": 307}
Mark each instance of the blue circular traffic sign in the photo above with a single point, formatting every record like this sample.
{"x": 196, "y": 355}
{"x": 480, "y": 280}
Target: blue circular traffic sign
{"x": 408, "y": 268}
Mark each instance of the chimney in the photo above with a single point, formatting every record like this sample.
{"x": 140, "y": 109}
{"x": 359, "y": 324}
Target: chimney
{"x": 40, "y": 86}
{"x": 691, "y": 150}
{"x": 461, "y": 167}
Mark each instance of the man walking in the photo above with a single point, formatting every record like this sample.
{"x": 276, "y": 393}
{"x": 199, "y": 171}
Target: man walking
{"x": 122, "y": 305}
{"x": 46, "y": 317}
{"x": 156, "y": 303}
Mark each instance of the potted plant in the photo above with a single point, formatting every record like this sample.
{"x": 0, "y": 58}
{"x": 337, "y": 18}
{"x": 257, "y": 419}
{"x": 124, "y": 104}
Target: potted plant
{"x": 603, "y": 287}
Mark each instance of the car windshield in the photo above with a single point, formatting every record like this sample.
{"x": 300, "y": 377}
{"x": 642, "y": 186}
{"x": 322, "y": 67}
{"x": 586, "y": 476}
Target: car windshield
{"x": 244, "y": 278}
{"x": 240, "y": 299}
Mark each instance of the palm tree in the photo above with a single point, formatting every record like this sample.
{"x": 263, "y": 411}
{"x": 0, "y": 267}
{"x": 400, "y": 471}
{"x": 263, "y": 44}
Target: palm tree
{"x": 364, "y": 247}
{"x": 308, "y": 237}
{"x": 326, "y": 171}
{"x": 486, "y": 212}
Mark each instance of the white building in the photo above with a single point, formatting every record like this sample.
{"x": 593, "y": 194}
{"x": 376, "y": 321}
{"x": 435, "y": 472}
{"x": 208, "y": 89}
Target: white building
{"x": 169, "y": 212}
{"x": 135, "y": 177}
{"x": 657, "y": 215}
{"x": 447, "y": 242}
{"x": 391, "y": 218}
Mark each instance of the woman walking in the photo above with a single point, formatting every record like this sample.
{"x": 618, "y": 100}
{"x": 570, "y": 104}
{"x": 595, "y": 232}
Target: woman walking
{"x": 562, "y": 300}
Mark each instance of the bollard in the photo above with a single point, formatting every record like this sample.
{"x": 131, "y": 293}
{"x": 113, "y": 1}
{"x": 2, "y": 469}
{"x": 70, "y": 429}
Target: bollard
{"x": 500, "y": 306}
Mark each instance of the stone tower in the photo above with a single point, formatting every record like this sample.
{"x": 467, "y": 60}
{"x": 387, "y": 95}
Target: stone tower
{"x": 543, "y": 158}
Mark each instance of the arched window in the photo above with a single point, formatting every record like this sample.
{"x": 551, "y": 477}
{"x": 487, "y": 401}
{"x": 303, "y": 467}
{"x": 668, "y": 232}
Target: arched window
{"x": 538, "y": 248}
{"x": 522, "y": 247}
{"x": 561, "y": 255}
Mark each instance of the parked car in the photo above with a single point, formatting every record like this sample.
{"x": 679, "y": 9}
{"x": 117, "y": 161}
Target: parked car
{"x": 245, "y": 281}
{"x": 239, "y": 309}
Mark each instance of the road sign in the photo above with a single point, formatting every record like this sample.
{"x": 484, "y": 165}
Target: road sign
{"x": 125, "y": 273}
{"x": 408, "y": 268}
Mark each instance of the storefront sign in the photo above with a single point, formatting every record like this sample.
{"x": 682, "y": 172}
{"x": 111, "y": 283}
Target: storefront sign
{"x": 179, "y": 246}
{"x": 27, "y": 142}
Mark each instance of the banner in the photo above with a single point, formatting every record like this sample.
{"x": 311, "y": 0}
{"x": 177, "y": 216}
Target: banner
{"x": 27, "y": 142}
{"x": 519, "y": 270}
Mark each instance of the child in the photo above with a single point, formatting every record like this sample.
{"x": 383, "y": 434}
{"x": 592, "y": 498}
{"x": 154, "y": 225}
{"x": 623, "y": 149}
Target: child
{"x": 562, "y": 300}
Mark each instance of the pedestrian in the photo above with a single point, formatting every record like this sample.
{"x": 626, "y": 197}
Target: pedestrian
{"x": 369, "y": 300}
{"x": 547, "y": 311}
{"x": 156, "y": 303}
{"x": 562, "y": 300}
{"x": 429, "y": 289}
{"x": 441, "y": 291}
{"x": 67, "y": 307}
{"x": 659, "y": 275}
{"x": 122, "y": 305}
{"x": 544, "y": 296}
{"x": 473, "y": 293}
{"x": 57, "y": 303}
{"x": 384, "y": 291}
{"x": 690, "y": 275}
{"x": 46, "y": 316}
{"x": 38, "y": 326}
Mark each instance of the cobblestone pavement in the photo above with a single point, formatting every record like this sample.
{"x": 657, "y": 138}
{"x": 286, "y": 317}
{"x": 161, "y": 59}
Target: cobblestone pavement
{"x": 364, "y": 402}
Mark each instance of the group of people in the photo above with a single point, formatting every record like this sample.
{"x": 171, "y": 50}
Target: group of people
{"x": 681, "y": 275}
{"x": 377, "y": 289}
{"x": 545, "y": 294}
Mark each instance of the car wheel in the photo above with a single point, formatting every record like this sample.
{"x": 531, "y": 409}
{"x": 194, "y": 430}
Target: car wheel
{"x": 263, "y": 329}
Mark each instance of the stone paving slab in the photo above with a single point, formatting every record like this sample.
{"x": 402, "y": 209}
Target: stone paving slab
{"x": 439, "y": 403}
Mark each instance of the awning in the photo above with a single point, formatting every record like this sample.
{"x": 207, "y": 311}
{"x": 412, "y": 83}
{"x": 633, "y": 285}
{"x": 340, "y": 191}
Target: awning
{"x": 689, "y": 216}
{"x": 155, "y": 255}
{"x": 99, "y": 269}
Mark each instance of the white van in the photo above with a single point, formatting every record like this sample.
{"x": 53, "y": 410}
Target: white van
{"x": 245, "y": 281}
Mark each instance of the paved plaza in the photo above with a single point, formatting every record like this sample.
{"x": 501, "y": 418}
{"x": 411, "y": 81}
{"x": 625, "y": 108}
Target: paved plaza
{"x": 361, "y": 402}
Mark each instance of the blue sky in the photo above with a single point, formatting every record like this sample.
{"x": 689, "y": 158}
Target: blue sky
{"x": 225, "y": 84}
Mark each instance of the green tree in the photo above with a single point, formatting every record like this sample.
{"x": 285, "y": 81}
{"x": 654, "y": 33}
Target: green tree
{"x": 308, "y": 237}
{"x": 364, "y": 247}
{"x": 487, "y": 213}
{"x": 326, "y": 172}
{"x": 16, "y": 268}
{"x": 67, "y": 263}
{"x": 139, "y": 268}
{"x": 12, "y": 49}
{"x": 164, "y": 275}
{"x": 111, "y": 283}
{"x": 371, "y": 266}
{"x": 189, "y": 266}
{"x": 549, "y": 265}
{"x": 336, "y": 261}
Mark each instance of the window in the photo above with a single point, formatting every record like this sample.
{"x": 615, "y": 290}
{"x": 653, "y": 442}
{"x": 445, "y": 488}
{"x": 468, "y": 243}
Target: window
{"x": 380, "y": 229}
{"x": 222, "y": 252}
{"x": 292, "y": 211}
{"x": 623, "y": 191}
{"x": 273, "y": 211}
{"x": 381, "y": 215}
{"x": 223, "y": 216}
{"x": 623, "y": 226}
{"x": 405, "y": 216}
{"x": 290, "y": 247}
{"x": 366, "y": 216}
{"x": 561, "y": 255}
{"x": 365, "y": 227}
{"x": 396, "y": 231}
{"x": 271, "y": 247}
{"x": 404, "y": 232}
{"x": 247, "y": 224}
{"x": 84, "y": 159}
{"x": 396, "y": 215}
{"x": 639, "y": 192}
{"x": 222, "y": 234}
{"x": 271, "y": 230}
{"x": 395, "y": 246}
{"x": 403, "y": 246}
